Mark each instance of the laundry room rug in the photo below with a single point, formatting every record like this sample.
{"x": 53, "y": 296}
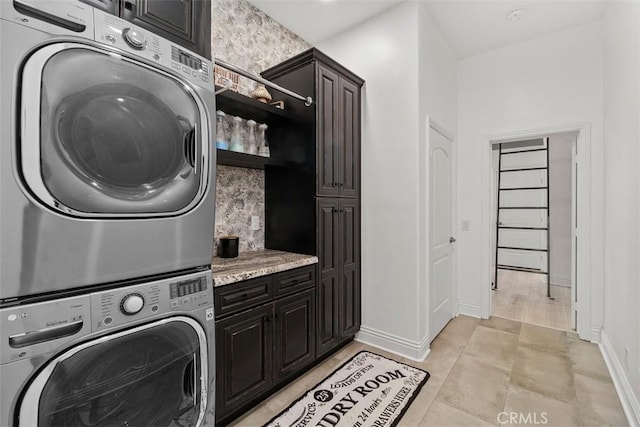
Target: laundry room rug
{"x": 368, "y": 390}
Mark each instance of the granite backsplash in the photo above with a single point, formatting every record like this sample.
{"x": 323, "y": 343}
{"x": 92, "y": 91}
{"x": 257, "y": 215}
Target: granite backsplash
{"x": 243, "y": 35}
{"x": 239, "y": 196}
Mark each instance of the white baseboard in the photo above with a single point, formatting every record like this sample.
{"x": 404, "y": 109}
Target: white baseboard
{"x": 470, "y": 310}
{"x": 596, "y": 334}
{"x": 560, "y": 280}
{"x": 414, "y": 350}
{"x": 630, "y": 402}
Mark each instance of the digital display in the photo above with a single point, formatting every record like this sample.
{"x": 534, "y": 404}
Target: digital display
{"x": 188, "y": 287}
{"x": 185, "y": 59}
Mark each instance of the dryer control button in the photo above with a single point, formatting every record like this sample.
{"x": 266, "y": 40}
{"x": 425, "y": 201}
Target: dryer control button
{"x": 132, "y": 304}
{"x": 134, "y": 38}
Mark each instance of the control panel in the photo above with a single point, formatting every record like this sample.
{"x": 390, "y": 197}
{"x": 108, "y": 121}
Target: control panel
{"x": 120, "y": 306}
{"x": 38, "y": 328}
{"x": 113, "y": 31}
{"x": 33, "y": 329}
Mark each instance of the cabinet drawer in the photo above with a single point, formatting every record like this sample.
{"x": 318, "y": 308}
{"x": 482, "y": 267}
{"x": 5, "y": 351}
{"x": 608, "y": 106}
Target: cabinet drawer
{"x": 233, "y": 298}
{"x": 294, "y": 280}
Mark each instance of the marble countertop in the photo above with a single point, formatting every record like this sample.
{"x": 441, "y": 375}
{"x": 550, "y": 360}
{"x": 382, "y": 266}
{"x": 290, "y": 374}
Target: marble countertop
{"x": 255, "y": 264}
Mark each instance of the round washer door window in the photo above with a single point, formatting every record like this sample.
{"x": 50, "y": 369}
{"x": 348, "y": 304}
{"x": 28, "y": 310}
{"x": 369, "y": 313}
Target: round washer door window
{"x": 120, "y": 137}
{"x": 153, "y": 377}
{"x": 115, "y": 136}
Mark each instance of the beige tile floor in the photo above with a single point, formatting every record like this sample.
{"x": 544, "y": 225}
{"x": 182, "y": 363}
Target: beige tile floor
{"x": 523, "y": 297}
{"x": 481, "y": 368}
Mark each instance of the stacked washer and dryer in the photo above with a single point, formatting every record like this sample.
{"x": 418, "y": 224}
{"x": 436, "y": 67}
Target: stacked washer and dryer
{"x": 107, "y": 211}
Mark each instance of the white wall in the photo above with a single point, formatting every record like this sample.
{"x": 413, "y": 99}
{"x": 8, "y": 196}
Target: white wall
{"x": 542, "y": 83}
{"x": 410, "y": 73}
{"x": 438, "y": 102}
{"x": 622, "y": 199}
{"x": 560, "y": 147}
{"x": 383, "y": 51}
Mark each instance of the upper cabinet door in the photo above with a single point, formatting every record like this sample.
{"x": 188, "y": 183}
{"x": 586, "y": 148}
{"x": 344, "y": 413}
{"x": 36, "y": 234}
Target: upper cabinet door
{"x": 186, "y": 22}
{"x": 349, "y": 158}
{"x": 328, "y": 132}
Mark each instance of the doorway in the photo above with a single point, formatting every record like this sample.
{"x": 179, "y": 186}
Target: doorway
{"x": 534, "y": 221}
{"x": 588, "y": 296}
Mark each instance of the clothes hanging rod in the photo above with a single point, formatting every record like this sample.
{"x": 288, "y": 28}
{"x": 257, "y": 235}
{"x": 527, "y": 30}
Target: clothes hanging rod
{"x": 308, "y": 101}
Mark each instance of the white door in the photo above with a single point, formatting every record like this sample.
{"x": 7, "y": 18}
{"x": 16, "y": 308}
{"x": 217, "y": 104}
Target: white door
{"x": 441, "y": 240}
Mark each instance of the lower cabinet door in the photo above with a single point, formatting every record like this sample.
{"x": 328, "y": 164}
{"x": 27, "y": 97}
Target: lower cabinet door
{"x": 327, "y": 329}
{"x": 349, "y": 289}
{"x": 294, "y": 333}
{"x": 244, "y": 358}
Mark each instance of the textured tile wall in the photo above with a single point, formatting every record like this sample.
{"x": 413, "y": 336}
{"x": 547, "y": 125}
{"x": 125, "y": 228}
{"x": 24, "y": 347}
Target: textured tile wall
{"x": 239, "y": 196}
{"x": 244, "y": 36}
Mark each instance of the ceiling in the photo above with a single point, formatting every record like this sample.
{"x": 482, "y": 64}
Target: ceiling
{"x": 470, "y": 26}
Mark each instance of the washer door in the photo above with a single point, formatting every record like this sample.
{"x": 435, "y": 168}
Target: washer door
{"x": 153, "y": 375}
{"x": 104, "y": 135}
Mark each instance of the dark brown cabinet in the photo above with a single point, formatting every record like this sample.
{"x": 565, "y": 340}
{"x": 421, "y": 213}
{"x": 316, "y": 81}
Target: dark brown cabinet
{"x": 339, "y": 266}
{"x": 349, "y": 256}
{"x": 333, "y": 135}
{"x": 338, "y": 134}
{"x": 328, "y": 333}
{"x": 294, "y": 337}
{"x": 185, "y": 22}
{"x": 245, "y": 343}
{"x": 259, "y": 347}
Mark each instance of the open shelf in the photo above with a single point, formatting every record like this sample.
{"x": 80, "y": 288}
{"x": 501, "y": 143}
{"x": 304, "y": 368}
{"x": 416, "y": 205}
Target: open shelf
{"x": 235, "y": 104}
{"x": 243, "y": 160}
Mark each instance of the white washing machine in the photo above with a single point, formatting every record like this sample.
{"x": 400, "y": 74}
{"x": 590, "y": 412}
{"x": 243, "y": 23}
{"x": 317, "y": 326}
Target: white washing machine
{"x": 140, "y": 355}
{"x": 105, "y": 160}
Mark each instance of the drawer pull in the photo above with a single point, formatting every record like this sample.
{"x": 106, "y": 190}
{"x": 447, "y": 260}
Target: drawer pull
{"x": 243, "y": 297}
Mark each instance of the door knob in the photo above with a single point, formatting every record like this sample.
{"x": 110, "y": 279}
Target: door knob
{"x": 452, "y": 239}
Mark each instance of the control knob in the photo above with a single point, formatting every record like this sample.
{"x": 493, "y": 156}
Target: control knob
{"x": 132, "y": 304}
{"x": 134, "y": 38}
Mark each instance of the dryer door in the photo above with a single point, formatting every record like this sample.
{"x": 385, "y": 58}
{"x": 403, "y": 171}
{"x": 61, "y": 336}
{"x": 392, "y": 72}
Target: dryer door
{"x": 104, "y": 135}
{"x": 153, "y": 375}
